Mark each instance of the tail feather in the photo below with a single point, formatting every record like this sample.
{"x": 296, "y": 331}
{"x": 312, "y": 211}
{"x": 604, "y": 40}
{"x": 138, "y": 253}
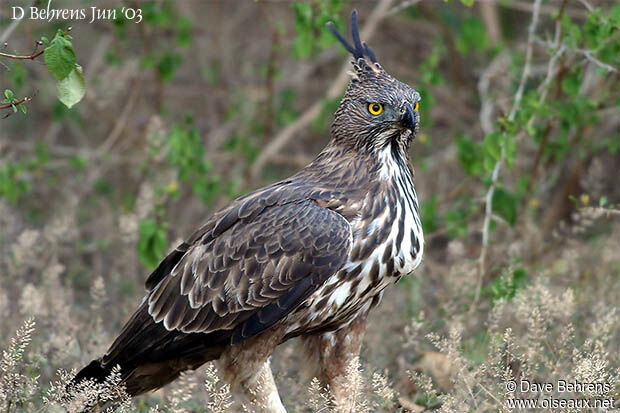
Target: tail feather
{"x": 94, "y": 371}
{"x": 148, "y": 376}
{"x": 150, "y": 356}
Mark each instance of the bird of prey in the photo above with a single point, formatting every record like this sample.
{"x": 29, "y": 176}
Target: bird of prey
{"x": 306, "y": 257}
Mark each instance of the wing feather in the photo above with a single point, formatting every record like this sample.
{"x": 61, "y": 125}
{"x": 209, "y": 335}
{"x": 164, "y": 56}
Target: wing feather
{"x": 251, "y": 268}
{"x": 246, "y": 268}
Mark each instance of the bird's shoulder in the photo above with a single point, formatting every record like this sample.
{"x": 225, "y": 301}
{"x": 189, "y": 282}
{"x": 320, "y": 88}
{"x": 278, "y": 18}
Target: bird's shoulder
{"x": 334, "y": 182}
{"x": 254, "y": 261}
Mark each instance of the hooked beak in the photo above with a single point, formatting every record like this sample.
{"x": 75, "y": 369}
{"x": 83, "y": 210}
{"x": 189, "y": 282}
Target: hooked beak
{"x": 407, "y": 118}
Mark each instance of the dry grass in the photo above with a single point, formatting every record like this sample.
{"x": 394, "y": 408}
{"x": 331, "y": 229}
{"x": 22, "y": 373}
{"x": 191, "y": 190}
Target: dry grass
{"x": 562, "y": 325}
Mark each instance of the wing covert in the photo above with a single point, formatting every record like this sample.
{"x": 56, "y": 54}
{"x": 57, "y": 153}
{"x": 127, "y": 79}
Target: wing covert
{"x": 250, "y": 269}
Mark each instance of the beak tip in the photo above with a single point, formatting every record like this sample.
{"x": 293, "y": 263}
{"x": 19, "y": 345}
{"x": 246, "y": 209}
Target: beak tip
{"x": 408, "y": 118}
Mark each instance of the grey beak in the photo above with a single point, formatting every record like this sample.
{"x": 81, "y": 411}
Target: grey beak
{"x": 407, "y": 119}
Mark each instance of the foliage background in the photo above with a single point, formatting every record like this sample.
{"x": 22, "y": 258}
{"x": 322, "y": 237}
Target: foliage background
{"x": 202, "y": 101}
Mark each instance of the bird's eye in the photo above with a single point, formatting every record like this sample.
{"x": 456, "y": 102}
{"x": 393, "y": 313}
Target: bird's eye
{"x": 416, "y": 106}
{"x": 375, "y": 108}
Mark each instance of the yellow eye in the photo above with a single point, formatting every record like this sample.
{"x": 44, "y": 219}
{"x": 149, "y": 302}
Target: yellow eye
{"x": 375, "y": 108}
{"x": 415, "y": 108}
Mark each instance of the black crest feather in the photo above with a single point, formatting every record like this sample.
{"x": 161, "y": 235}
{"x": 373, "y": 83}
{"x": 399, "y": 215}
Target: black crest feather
{"x": 358, "y": 49}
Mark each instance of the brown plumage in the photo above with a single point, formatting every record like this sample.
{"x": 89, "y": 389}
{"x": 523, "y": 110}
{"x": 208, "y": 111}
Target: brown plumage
{"x": 307, "y": 256}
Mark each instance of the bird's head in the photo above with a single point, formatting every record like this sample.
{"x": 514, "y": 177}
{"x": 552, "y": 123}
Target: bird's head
{"x": 376, "y": 110}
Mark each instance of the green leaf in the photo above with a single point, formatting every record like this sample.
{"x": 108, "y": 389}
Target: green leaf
{"x": 13, "y": 184}
{"x": 506, "y": 205}
{"x": 303, "y": 14}
{"x": 507, "y": 285}
{"x": 468, "y": 3}
{"x": 310, "y": 20}
{"x": 473, "y": 36}
{"x": 470, "y": 156}
{"x": 59, "y": 56}
{"x": 510, "y": 151}
{"x": 168, "y": 64}
{"x": 430, "y": 217}
{"x": 71, "y": 89}
{"x": 614, "y": 14}
{"x": 493, "y": 144}
{"x": 151, "y": 243}
{"x": 304, "y": 43}
{"x": 456, "y": 219}
{"x": 572, "y": 82}
{"x": 148, "y": 61}
{"x": 184, "y": 31}
{"x": 17, "y": 74}
{"x": 489, "y": 163}
{"x": 8, "y": 93}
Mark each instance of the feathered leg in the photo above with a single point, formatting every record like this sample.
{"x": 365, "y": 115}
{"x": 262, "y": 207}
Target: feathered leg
{"x": 245, "y": 367}
{"x": 331, "y": 354}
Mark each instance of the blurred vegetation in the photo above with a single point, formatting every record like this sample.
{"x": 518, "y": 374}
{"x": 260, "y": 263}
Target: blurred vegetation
{"x": 143, "y": 129}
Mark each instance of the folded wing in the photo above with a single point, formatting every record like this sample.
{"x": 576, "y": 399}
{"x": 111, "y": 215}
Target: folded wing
{"x": 237, "y": 276}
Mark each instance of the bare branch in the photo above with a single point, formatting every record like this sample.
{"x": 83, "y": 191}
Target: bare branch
{"x": 9, "y": 30}
{"x": 587, "y": 5}
{"x": 490, "y": 17}
{"x": 488, "y": 211}
{"x": 402, "y": 6}
{"x": 31, "y": 56}
{"x": 543, "y": 9}
{"x": 121, "y": 122}
{"x": 497, "y": 67}
{"x": 588, "y": 54}
{"x": 590, "y": 57}
{"x": 599, "y": 211}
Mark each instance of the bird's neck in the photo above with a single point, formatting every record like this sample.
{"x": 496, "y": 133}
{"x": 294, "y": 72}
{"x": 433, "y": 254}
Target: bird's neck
{"x": 394, "y": 162}
{"x": 344, "y": 164}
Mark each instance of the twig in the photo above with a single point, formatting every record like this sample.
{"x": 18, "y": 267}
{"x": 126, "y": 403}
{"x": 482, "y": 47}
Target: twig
{"x": 544, "y": 9}
{"x": 587, "y": 5}
{"x": 539, "y": 155}
{"x": 17, "y": 103}
{"x": 122, "y": 120}
{"x": 488, "y": 211}
{"x": 588, "y": 54}
{"x": 402, "y": 6}
{"x": 333, "y": 92}
{"x": 490, "y": 17}
{"x": 602, "y": 211}
{"x": 449, "y": 39}
{"x": 20, "y": 57}
{"x": 551, "y": 72}
{"x": 544, "y": 90}
{"x": 116, "y": 132}
{"x": 22, "y": 101}
{"x": 9, "y": 30}
{"x": 497, "y": 67}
